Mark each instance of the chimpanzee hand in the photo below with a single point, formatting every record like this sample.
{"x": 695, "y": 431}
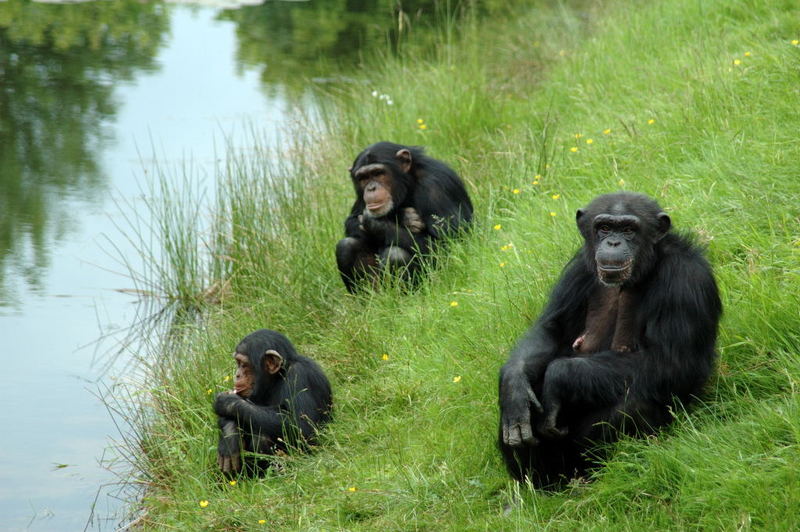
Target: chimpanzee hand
{"x": 225, "y": 404}
{"x": 412, "y": 220}
{"x": 374, "y": 227}
{"x": 229, "y": 447}
{"x": 517, "y": 398}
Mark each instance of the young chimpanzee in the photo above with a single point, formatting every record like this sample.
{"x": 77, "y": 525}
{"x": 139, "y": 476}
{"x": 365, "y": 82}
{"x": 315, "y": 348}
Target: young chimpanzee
{"x": 630, "y": 327}
{"x": 280, "y": 399}
{"x": 406, "y": 202}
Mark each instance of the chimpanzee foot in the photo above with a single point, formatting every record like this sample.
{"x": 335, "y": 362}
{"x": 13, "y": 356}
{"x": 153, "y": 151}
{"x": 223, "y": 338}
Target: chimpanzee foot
{"x": 549, "y": 429}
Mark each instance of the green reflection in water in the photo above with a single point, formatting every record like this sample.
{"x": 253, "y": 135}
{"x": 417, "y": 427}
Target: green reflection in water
{"x": 292, "y": 41}
{"x": 58, "y": 65}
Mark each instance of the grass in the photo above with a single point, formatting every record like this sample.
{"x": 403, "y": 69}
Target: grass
{"x": 694, "y": 103}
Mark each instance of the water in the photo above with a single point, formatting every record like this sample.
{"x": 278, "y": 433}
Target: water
{"x": 88, "y": 93}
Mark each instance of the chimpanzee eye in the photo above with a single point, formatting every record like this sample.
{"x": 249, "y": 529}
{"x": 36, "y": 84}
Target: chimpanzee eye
{"x": 604, "y": 228}
{"x": 627, "y": 231}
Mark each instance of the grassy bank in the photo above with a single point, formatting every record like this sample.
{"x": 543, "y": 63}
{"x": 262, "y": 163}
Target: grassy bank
{"x": 695, "y": 103}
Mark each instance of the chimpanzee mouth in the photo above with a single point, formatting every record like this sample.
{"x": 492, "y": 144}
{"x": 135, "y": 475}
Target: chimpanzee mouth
{"x": 615, "y": 273}
{"x": 378, "y": 208}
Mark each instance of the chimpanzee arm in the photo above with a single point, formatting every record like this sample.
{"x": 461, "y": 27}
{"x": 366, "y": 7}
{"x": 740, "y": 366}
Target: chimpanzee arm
{"x": 229, "y": 447}
{"x": 441, "y": 200}
{"x": 391, "y": 231}
{"x": 683, "y": 308}
{"x": 546, "y": 340}
{"x": 249, "y": 416}
{"x": 352, "y": 224}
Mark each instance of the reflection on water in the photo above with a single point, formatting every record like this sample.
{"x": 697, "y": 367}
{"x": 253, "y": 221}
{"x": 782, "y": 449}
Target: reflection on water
{"x": 88, "y": 91}
{"x": 56, "y": 98}
{"x": 282, "y": 39}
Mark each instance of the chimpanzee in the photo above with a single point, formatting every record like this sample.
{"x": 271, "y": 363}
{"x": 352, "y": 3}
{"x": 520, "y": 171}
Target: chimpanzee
{"x": 280, "y": 399}
{"x": 406, "y": 202}
{"x": 630, "y": 326}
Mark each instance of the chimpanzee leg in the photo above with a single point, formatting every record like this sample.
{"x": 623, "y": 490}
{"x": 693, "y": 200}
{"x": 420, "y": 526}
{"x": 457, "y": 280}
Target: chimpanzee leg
{"x": 397, "y": 260}
{"x": 355, "y": 260}
{"x": 593, "y": 381}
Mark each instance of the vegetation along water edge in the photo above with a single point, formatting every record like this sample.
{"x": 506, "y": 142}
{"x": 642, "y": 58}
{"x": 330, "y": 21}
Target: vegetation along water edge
{"x": 539, "y": 109}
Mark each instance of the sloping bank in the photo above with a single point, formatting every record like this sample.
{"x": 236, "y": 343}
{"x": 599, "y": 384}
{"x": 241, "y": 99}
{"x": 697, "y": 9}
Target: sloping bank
{"x": 695, "y": 103}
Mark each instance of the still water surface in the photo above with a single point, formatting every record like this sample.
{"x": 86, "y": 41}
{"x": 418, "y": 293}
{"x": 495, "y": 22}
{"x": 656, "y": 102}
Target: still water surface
{"x": 88, "y": 93}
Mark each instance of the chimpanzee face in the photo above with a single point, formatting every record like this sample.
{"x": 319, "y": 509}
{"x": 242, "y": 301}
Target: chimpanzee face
{"x": 254, "y": 373}
{"x": 244, "y": 379}
{"x": 375, "y": 183}
{"x": 621, "y": 232}
{"x": 382, "y": 176}
{"x": 616, "y": 243}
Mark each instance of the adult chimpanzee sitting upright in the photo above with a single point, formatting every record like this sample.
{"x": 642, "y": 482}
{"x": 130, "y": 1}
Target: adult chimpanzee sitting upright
{"x": 280, "y": 399}
{"x": 405, "y": 203}
{"x": 630, "y": 326}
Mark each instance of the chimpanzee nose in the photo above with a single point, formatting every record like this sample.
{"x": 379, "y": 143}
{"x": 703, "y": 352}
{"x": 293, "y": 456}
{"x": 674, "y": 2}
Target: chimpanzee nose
{"x": 613, "y": 243}
{"x": 372, "y": 186}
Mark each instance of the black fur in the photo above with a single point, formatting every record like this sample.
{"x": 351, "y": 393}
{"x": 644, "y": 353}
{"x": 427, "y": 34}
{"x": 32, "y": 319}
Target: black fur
{"x": 598, "y": 395}
{"x": 430, "y": 187}
{"x": 283, "y": 411}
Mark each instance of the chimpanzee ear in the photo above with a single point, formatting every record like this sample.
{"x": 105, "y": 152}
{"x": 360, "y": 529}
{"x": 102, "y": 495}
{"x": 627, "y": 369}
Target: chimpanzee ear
{"x": 664, "y": 223}
{"x": 404, "y": 159}
{"x": 579, "y": 221}
{"x": 273, "y": 361}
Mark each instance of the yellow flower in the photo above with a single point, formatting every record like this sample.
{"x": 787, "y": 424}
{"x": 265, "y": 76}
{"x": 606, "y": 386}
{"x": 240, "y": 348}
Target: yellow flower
{"x": 621, "y": 182}
{"x": 573, "y": 149}
{"x": 226, "y": 378}
{"x": 232, "y": 482}
{"x": 515, "y": 191}
{"x": 502, "y": 264}
{"x": 747, "y": 54}
{"x": 607, "y": 131}
{"x": 506, "y": 247}
{"x": 423, "y": 126}
{"x": 497, "y": 227}
{"x": 589, "y": 141}
{"x": 651, "y": 121}
{"x": 737, "y": 62}
{"x": 535, "y": 183}
{"x": 351, "y": 489}
{"x": 203, "y": 503}
{"x": 454, "y": 303}
{"x": 209, "y": 391}
{"x": 796, "y": 42}
{"x": 384, "y": 357}
{"x": 578, "y": 135}
{"x": 457, "y": 378}
{"x": 420, "y": 121}
{"x": 556, "y": 196}
{"x": 262, "y": 521}
{"x": 552, "y": 213}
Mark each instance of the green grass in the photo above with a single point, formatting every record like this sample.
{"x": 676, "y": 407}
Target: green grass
{"x": 701, "y": 100}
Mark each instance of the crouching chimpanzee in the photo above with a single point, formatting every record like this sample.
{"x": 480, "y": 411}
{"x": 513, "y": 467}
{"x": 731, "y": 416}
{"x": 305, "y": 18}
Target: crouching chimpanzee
{"x": 630, "y": 326}
{"x": 279, "y": 400}
{"x": 406, "y": 202}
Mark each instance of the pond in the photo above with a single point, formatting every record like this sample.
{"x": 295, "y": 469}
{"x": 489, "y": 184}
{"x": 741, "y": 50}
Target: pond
{"x": 90, "y": 94}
